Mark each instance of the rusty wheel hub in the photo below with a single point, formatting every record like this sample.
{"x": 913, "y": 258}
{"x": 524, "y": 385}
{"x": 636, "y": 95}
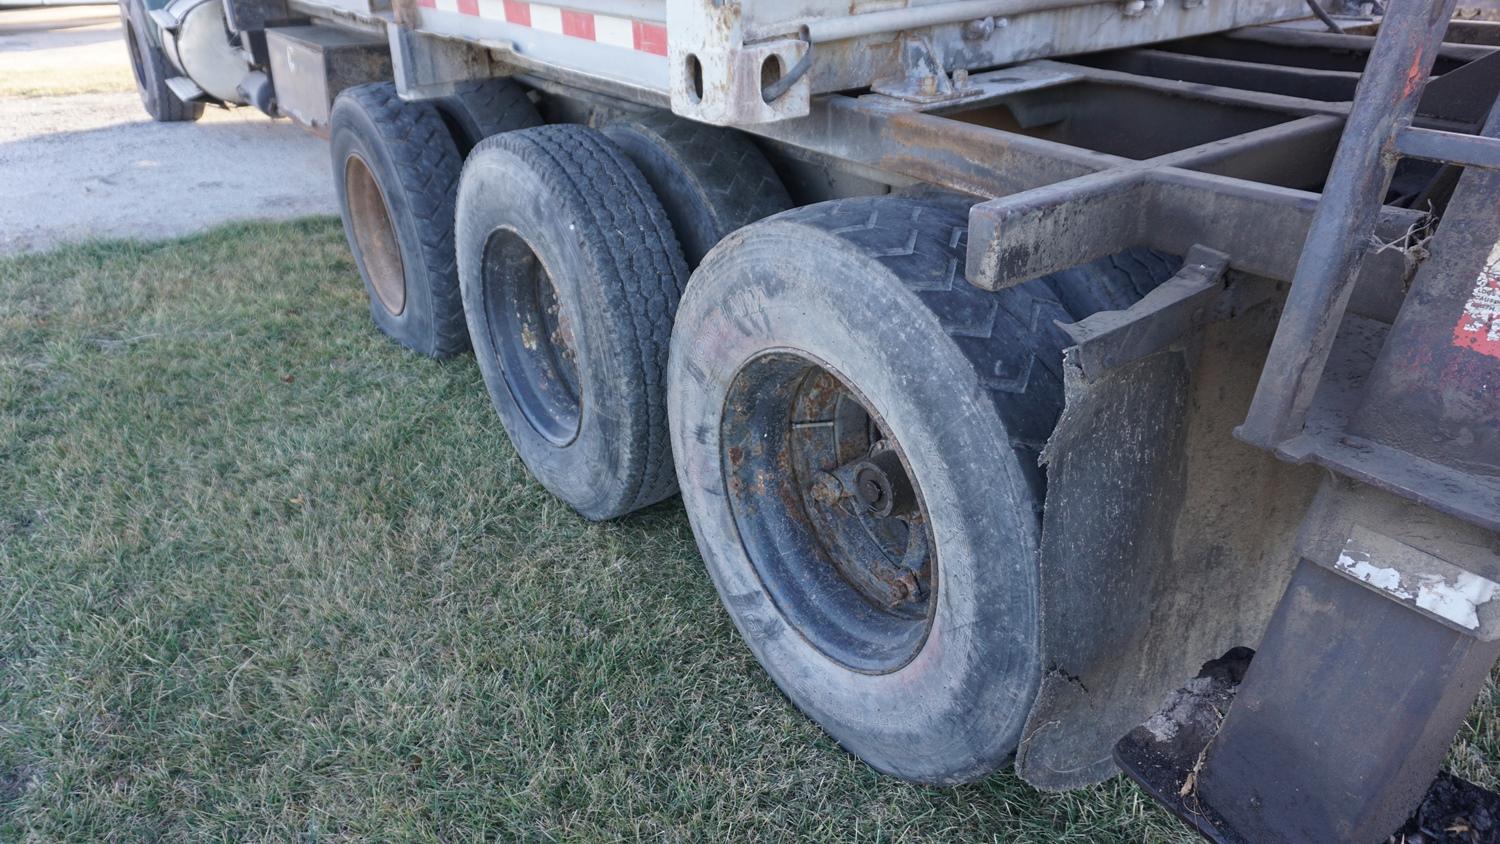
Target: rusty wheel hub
{"x": 828, "y": 512}
{"x": 375, "y": 236}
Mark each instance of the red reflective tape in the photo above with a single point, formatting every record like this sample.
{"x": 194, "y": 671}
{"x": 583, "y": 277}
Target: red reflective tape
{"x": 517, "y": 12}
{"x": 578, "y": 24}
{"x": 427, "y": 4}
{"x": 468, "y": 7}
{"x": 649, "y": 37}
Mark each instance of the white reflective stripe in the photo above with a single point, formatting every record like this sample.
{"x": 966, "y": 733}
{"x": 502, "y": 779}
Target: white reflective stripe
{"x": 616, "y": 32}
{"x": 492, "y": 9}
{"x": 545, "y": 18}
{"x": 447, "y": 6}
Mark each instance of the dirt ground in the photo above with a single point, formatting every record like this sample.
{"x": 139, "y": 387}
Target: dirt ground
{"x": 79, "y": 158}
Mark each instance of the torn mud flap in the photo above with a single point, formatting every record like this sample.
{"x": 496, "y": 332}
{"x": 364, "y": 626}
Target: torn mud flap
{"x": 1154, "y": 513}
{"x": 1166, "y": 753}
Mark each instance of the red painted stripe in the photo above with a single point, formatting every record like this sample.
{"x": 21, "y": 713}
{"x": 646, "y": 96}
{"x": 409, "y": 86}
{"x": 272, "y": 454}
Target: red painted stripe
{"x": 516, "y": 12}
{"x": 649, "y": 37}
{"x": 468, "y": 7}
{"x": 427, "y": 4}
{"x": 578, "y": 24}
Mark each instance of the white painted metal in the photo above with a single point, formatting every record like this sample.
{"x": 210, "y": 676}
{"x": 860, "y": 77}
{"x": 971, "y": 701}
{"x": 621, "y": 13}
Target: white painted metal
{"x": 719, "y": 53}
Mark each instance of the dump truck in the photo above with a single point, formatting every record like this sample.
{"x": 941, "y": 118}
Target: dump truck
{"x": 1072, "y": 385}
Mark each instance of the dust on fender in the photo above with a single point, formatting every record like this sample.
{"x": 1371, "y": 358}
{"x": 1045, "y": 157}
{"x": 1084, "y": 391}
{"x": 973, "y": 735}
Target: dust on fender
{"x": 1479, "y": 325}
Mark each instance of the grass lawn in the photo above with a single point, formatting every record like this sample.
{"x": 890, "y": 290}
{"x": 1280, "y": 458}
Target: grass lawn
{"x": 264, "y": 575}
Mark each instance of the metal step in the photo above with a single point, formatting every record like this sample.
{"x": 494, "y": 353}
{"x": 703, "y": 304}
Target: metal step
{"x": 1165, "y": 755}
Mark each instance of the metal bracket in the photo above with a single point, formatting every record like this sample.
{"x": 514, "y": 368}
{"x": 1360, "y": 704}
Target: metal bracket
{"x": 427, "y": 66}
{"x": 187, "y": 90}
{"x": 1198, "y": 294}
{"x": 924, "y": 80}
{"x": 165, "y": 20}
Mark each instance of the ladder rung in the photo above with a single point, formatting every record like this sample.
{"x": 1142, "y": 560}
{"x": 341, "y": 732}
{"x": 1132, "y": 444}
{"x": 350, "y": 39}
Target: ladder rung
{"x": 1450, "y": 147}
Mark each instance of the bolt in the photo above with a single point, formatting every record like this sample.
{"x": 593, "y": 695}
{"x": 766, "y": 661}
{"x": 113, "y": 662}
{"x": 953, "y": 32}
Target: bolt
{"x": 978, "y": 30}
{"x": 826, "y": 489}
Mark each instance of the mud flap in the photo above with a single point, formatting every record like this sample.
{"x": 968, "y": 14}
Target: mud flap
{"x": 1165, "y": 541}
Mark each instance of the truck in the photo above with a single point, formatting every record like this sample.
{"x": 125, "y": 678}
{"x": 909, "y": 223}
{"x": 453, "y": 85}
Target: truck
{"x": 1072, "y": 385}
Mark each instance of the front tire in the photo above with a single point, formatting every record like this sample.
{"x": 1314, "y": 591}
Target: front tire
{"x": 151, "y": 70}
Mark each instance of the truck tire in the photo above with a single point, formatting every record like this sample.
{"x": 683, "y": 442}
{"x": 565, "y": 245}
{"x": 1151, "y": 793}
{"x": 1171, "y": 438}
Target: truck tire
{"x": 571, "y": 276}
{"x": 396, "y": 169}
{"x": 811, "y": 351}
{"x": 476, "y": 110}
{"x": 711, "y": 180}
{"x": 149, "y": 65}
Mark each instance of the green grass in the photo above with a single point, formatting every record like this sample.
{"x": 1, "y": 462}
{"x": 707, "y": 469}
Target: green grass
{"x": 263, "y": 575}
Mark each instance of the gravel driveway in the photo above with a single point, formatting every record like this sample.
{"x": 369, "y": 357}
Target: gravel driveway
{"x": 93, "y": 165}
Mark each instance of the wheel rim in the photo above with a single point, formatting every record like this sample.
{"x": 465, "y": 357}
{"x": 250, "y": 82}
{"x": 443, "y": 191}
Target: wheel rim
{"x": 375, "y": 236}
{"x": 532, "y": 337}
{"x": 828, "y": 512}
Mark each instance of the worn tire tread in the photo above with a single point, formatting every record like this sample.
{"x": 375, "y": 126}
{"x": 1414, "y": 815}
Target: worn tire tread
{"x": 429, "y": 166}
{"x": 644, "y": 269}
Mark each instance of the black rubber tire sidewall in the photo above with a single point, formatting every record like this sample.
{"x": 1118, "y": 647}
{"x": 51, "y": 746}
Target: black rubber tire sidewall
{"x": 431, "y": 322}
{"x": 955, "y": 712}
{"x": 151, "y": 69}
{"x": 620, "y": 458}
{"x": 484, "y": 108}
{"x": 710, "y": 179}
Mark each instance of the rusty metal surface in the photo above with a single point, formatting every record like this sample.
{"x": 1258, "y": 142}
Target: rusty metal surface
{"x": 1165, "y": 756}
{"x": 374, "y": 236}
{"x": 1337, "y": 240}
{"x": 1197, "y": 295}
{"x": 1045, "y": 230}
{"x": 310, "y": 65}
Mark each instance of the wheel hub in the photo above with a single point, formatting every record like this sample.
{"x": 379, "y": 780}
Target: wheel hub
{"x": 828, "y": 512}
{"x": 375, "y": 236}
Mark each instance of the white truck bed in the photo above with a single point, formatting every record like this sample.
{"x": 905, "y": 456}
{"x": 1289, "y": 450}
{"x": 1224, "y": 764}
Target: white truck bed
{"x": 713, "y": 59}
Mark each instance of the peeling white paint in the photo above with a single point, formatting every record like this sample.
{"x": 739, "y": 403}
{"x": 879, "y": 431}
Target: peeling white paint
{"x": 1458, "y": 601}
{"x": 1438, "y": 587}
{"x": 1388, "y": 579}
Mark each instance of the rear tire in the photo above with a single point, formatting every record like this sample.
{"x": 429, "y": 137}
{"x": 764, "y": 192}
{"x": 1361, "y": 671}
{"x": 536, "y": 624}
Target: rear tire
{"x": 711, "y": 180}
{"x": 810, "y": 346}
{"x": 149, "y": 65}
{"x": 485, "y": 108}
{"x": 571, "y": 276}
{"x": 396, "y": 168}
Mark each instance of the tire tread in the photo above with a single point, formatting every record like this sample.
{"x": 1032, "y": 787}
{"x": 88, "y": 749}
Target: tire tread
{"x": 1010, "y": 336}
{"x": 645, "y": 270}
{"x": 428, "y": 165}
